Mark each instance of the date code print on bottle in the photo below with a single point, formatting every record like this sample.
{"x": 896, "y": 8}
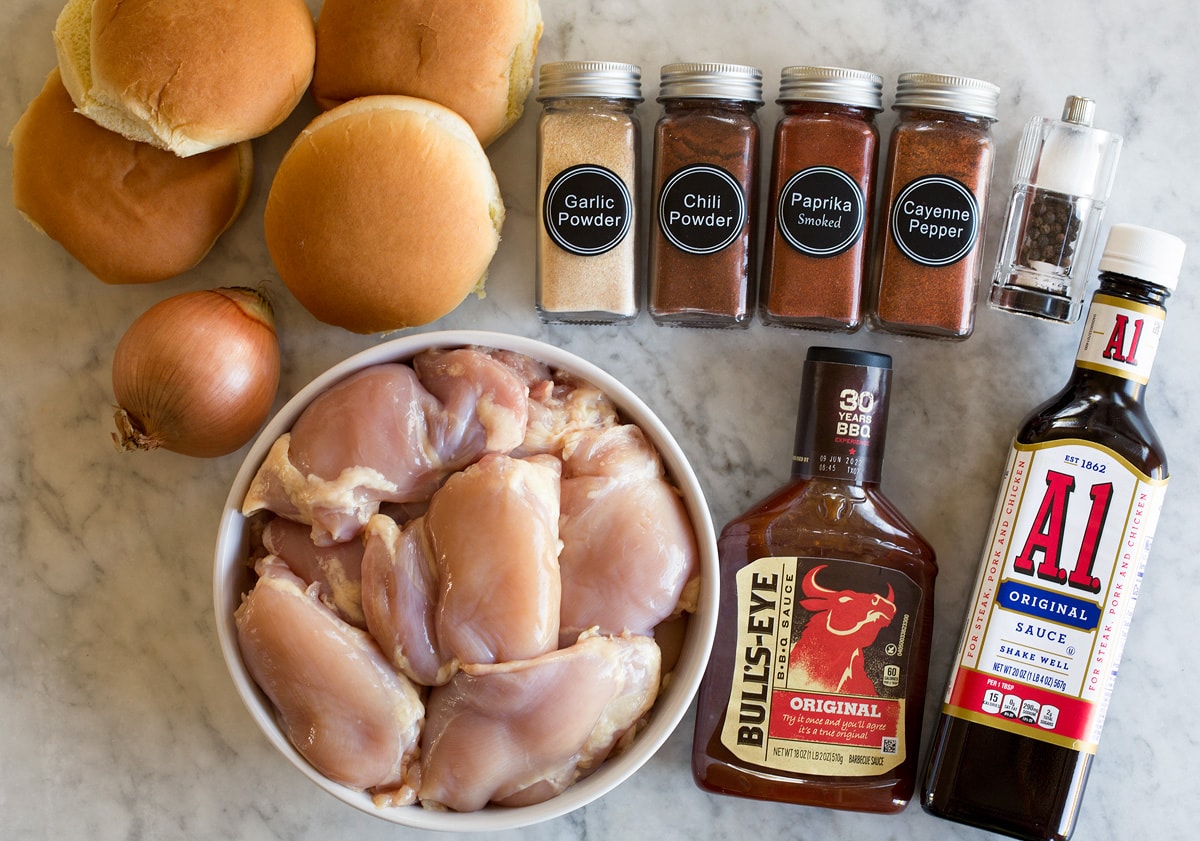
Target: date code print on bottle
{"x": 935, "y": 221}
{"x": 702, "y": 209}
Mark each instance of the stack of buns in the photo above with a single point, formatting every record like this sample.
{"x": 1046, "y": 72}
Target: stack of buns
{"x": 135, "y": 156}
{"x": 383, "y": 214}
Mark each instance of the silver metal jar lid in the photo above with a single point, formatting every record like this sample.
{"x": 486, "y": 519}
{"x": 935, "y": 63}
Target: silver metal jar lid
{"x": 948, "y": 93}
{"x": 802, "y": 83}
{"x": 608, "y": 79}
{"x": 1079, "y": 110}
{"x": 710, "y": 80}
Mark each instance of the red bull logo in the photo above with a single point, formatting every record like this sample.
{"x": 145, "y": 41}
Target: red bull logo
{"x": 828, "y": 656}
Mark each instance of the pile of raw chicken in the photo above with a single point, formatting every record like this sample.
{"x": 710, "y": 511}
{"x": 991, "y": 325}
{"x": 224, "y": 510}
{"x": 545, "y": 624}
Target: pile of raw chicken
{"x": 471, "y": 577}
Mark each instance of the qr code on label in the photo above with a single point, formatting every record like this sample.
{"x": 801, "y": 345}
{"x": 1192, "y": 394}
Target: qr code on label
{"x": 890, "y": 744}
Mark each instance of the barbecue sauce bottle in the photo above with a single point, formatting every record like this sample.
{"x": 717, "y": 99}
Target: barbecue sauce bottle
{"x": 816, "y": 684}
{"x": 1068, "y": 541}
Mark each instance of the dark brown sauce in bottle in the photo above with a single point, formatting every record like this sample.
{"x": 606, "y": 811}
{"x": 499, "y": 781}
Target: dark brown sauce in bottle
{"x": 1003, "y": 781}
{"x": 814, "y": 517}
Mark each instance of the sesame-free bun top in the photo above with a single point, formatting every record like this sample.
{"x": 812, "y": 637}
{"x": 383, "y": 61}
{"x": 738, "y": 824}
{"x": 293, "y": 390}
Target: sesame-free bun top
{"x": 186, "y": 75}
{"x": 475, "y": 57}
{"x": 383, "y": 214}
{"x": 129, "y": 212}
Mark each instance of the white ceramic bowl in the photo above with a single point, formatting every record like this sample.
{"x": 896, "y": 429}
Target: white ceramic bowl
{"x": 231, "y": 580}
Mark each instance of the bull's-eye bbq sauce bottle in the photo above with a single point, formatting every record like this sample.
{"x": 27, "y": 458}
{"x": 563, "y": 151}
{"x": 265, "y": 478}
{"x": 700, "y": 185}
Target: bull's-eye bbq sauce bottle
{"x": 816, "y": 684}
{"x": 1062, "y": 565}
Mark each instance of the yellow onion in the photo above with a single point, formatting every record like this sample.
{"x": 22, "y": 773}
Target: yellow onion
{"x": 197, "y": 373}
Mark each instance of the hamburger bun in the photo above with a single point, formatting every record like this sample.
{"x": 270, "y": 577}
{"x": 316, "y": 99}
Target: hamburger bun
{"x": 475, "y": 57}
{"x": 129, "y": 212}
{"x": 383, "y": 214}
{"x": 186, "y": 75}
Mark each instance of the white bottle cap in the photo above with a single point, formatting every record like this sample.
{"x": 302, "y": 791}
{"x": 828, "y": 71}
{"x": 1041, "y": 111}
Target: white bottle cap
{"x": 1144, "y": 253}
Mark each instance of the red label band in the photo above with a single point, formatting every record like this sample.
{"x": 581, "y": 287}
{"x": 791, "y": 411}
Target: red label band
{"x": 833, "y": 719}
{"x": 1043, "y": 712}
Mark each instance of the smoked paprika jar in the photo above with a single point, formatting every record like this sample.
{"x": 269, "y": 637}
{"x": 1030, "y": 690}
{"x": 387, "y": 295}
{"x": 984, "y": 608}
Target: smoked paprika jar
{"x": 939, "y": 165}
{"x": 702, "y": 242}
{"x": 816, "y": 244}
{"x": 815, "y": 690}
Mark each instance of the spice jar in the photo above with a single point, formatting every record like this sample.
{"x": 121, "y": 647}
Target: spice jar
{"x": 588, "y": 253}
{"x": 1061, "y": 181}
{"x": 939, "y": 165}
{"x": 705, "y": 174}
{"x": 821, "y": 195}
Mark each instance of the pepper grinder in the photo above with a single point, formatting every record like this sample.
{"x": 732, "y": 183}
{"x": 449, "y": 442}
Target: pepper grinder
{"x": 1061, "y": 181}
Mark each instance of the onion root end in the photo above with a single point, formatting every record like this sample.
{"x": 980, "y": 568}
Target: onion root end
{"x": 129, "y": 435}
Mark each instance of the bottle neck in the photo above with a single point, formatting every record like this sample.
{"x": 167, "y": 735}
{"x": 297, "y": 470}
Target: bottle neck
{"x": 841, "y": 423}
{"x": 1120, "y": 337}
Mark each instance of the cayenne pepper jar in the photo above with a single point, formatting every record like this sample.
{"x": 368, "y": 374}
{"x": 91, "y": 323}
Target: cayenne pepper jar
{"x": 821, "y": 199}
{"x": 706, "y": 147}
{"x": 815, "y": 691}
{"x": 1068, "y": 542}
{"x": 589, "y": 139}
{"x": 939, "y": 166}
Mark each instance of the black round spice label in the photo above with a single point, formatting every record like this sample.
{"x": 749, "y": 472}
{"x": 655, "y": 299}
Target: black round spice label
{"x": 587, "y": 209}
{"x": 821, "y": 211}
{"x": 935, "y": 221}
{"x": 702, "y": 209}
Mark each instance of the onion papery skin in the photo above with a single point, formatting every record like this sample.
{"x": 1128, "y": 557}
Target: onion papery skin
{"x": 197, "y": 373}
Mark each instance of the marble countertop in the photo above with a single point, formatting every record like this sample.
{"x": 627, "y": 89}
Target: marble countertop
{"x": 117, "y": 717}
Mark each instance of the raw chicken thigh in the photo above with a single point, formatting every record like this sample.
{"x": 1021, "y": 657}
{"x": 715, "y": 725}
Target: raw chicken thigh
{"x": 629, "y": 557}
{"x": 381, "y": 435}
{"x": 485, "y": 403}
{"x": 401, "y": 588}
{"x": 493, "y": 531}
{"x": 340, "y": 703}
{"x": 561, "y": 407}
{"x": 336, "y": 569}
{"x": 520, "y": 732}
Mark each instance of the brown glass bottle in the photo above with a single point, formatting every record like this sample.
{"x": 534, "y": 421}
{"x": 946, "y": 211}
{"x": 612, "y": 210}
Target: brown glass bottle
{"x": 989, "y": 771}
{"x": 836, "y": 720}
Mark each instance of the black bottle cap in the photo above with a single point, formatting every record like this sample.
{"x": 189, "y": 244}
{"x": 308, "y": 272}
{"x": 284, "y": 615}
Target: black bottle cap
{"x": 848, "y": 356}
{"x": 842, "y": 420}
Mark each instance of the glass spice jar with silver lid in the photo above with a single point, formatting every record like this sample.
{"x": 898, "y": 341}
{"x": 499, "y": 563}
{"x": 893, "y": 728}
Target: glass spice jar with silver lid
{"x": 702, "y": 238}
{"x": 588, "y": 144}
{"x": 820, "y": 201}
{"x": 939, "y": 165}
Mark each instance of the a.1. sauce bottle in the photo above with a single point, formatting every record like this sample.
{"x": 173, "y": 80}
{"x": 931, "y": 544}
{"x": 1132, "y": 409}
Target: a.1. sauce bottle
{"x": 1062, "y": 566}
{"x": 816, "y": 684}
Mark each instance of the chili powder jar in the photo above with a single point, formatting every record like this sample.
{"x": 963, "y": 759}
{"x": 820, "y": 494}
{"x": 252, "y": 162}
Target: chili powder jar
{"x": 821, "y": 199}
{"x": 939, "y": 165}
{"x": 589, "y": 140}
{"x": 706, "y": 147}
